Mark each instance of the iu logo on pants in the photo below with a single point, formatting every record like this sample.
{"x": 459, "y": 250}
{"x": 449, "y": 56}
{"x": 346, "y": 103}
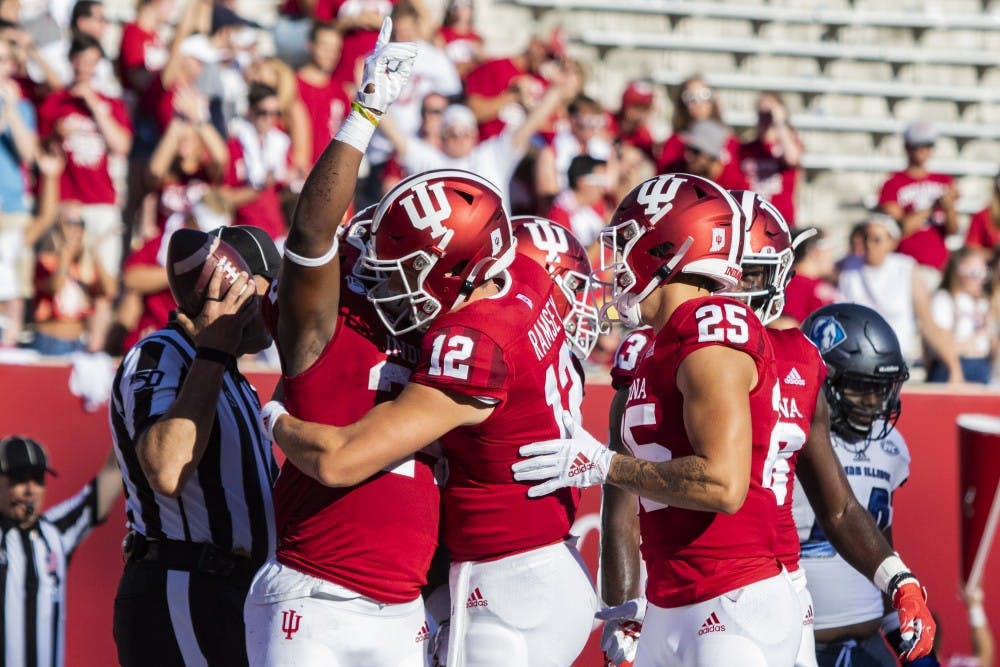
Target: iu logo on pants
{"x": 290, "y": 622}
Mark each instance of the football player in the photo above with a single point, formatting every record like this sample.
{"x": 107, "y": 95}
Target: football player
{"x": 698, "y": 421}
{"x": 866, "y": 372}
{"x": 803, "y": 412}
{"x": 493, "y": 375}
{"x": 344, "y": 585}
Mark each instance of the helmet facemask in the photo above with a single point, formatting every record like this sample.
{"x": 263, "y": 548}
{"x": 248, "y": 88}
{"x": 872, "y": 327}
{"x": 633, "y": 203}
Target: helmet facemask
{"x": 358, "y": 236}
{"x": 399, "y": 297}
{"x": 863, "y": 408}
{"x": 581, "y": 322}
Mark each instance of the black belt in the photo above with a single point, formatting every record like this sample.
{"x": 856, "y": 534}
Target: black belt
{"x": 187, "y": 556}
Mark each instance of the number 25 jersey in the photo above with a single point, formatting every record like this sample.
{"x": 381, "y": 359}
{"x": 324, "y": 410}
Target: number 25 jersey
{"x": 692, "y": 556}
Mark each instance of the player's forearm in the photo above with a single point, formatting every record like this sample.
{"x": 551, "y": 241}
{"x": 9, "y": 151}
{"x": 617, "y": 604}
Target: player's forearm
{"x": 327, "y": 193}
{"x": 170, "y": 450}
{"x": 854, "y": 534}
{"x": 619, "y": 547}
{"x": 690, "y": 482}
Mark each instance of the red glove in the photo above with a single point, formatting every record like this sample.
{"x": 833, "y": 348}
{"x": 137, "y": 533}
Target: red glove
{"x": 916, "y": 626}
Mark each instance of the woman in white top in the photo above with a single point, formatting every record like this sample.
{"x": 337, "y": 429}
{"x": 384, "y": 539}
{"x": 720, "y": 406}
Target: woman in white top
{"x": 888, "y": 283}
{"x": 961, "y": 307}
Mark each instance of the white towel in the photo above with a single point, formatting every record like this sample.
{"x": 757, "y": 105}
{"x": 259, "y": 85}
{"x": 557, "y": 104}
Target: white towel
{"x": 91, "y": 378}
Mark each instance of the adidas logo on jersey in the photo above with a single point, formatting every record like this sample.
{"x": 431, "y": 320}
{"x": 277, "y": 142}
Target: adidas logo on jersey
{"x": 808, "y": 619}
{"x": 793, "y": 377}
{"x": 711, "y": 624}
{"x": 424, "y": 634}
{"x": 581, "y": 464}
{"x": 476, "y": 599}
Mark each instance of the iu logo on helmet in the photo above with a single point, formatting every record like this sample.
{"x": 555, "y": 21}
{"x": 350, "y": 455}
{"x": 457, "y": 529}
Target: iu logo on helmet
{"x": 658, "y": 196}
{"x": 431, "y": 213}
{"x": 549, "y": 238}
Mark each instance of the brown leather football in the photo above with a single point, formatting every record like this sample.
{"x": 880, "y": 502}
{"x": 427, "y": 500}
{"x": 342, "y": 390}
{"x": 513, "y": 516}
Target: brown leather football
{"x": 192, "y": 256}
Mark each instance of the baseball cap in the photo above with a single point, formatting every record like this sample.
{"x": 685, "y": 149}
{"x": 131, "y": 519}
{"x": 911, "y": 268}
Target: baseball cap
{"x": 19, "y": 453}
{"x": 920, "y": 133}
{"x": 458, "y": 115}
{"x": 706, "y": 136}
{"x": 200, "y": 48}
{"x": 637, "y": 94}
{"x": 255, "y": 246}
{"x": 224, "y": 17}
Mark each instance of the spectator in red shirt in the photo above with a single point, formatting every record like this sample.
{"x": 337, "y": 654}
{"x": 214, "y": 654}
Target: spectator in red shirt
{"x": 324, "y": 96}
{"x": 582, "y": 207}
{"x": 259, "y": 164}
{"x": 811, "y": 286}
{"x": 142, "y": 53}
{"x": 704, "y": 150}
{"x": 629, "y": 126}
{"x": 89, "y": 127}
{"x": 458, "y": 38}
{"x": 984, "y": 228}
{"x": 772, "y": 160}
{"x": 500, "y": 90}
{"x": 695, "y": 101}
{"x": 923, "y": 203}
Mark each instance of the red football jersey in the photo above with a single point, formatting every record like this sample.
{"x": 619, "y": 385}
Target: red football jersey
{"x": 509, "y": 350}
{"x": 693, "y": 556}
{"x": 801, "y": 371}
{"x": 630, "y": 352}
{"x": 376, "y": 538}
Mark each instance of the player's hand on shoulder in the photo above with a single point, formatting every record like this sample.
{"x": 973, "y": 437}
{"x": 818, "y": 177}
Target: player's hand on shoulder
{"x": 579, "y": 460}
{"x": 622, "y": 627}
{"x": 387, "y": 71}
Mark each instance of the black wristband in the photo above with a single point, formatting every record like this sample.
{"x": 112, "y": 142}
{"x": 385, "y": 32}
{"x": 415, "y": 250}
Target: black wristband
{"x": 213, "y": 354}
{"x": 896, "y": 580}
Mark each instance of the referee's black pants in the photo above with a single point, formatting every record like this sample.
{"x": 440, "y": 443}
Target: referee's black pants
{"x": 173, "y": 618}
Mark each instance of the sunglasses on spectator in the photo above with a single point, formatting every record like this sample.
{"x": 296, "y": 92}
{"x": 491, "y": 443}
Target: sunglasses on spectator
{"x": 700, "y": 95}
{"x": 457, "y": 133}
{"x": 590, "y": 122}
{"x": 273, "y": 113}
{"x": 977, "y": 273}
{"x": 432, "y": 111}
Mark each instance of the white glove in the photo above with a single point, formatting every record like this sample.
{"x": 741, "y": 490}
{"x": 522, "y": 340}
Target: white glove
{"x": 622, "y": 625}
{"x": 387, "y": 70}
{"x": 579, "y": 460}
{"x": 269, "y": 415}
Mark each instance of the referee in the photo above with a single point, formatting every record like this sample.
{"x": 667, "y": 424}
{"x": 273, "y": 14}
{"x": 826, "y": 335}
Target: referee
{"x": 197, "y": 473}
{"x": 35, "y": 550}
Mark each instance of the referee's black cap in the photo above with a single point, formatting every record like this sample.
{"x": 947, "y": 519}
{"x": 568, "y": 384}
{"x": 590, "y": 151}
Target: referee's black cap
{"x": 255, "y": 246}
{"x": 19, "y": 453}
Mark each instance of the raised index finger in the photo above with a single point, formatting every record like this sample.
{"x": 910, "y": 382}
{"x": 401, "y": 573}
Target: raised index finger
{"x": 384, "y": 34}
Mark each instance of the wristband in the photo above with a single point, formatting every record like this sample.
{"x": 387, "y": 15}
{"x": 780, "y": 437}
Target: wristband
{"x": 269, "y": 415}
{"x": 368, "y": 114}
{"x": 215, "y": 355}
{"x": 888, "y": 570}
{"x": 357, "y": 129}
{"x": 977, "y": 616}
{"x": 322, "y": 260}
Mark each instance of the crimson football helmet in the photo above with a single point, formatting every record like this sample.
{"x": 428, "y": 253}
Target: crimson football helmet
{"x": 436, "y": 236}
{"x": 767, "y": 257}
{"x": 669, "y": 225}
{"x": 561, "y": 254}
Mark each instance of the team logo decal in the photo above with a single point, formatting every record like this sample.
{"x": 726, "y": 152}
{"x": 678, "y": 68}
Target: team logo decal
{"x": 718, "y": 239}
{"x": 826, "y": 334}
{"x": 431, "y": 213}
{"x": 290, "y": 622}
{"x": 657, "y": 195}
{"x": 548, "y": 238}
{"x": 889, "y": 447}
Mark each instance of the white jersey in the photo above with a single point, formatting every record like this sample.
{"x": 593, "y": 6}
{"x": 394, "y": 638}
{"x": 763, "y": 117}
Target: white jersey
{"x": 841, "y": 595}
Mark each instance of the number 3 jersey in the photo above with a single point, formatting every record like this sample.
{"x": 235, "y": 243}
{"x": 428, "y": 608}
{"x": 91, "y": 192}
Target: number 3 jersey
{"x": 508, "y": 351}
{"x": 841, "y": 595}
{"x": 693, "y": 556}
{"x": 376, "y": 538}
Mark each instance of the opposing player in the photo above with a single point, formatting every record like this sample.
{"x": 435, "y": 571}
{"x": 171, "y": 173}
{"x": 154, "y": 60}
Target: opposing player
{"x": 866, "y": 372}
{"x": 803, "y": 417}
{"x": 492, "y": 376}
{"x": 344, "y": 586}
{"x": 698, "y": 422}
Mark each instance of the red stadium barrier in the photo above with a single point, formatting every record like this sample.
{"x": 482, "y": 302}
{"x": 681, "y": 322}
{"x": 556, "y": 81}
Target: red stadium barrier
{"x": 37, "y": 402}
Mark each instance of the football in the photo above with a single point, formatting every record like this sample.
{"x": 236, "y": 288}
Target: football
{"x": 192, "y": 257}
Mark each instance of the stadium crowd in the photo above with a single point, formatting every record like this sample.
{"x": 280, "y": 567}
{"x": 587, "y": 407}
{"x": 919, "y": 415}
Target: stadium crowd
{"x": 110, "y": 145}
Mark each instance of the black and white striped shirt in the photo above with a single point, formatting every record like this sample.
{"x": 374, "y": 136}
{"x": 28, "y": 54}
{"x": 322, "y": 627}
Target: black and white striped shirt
{"x": 227, "y": 502}
{"x": 33, "y": 578}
